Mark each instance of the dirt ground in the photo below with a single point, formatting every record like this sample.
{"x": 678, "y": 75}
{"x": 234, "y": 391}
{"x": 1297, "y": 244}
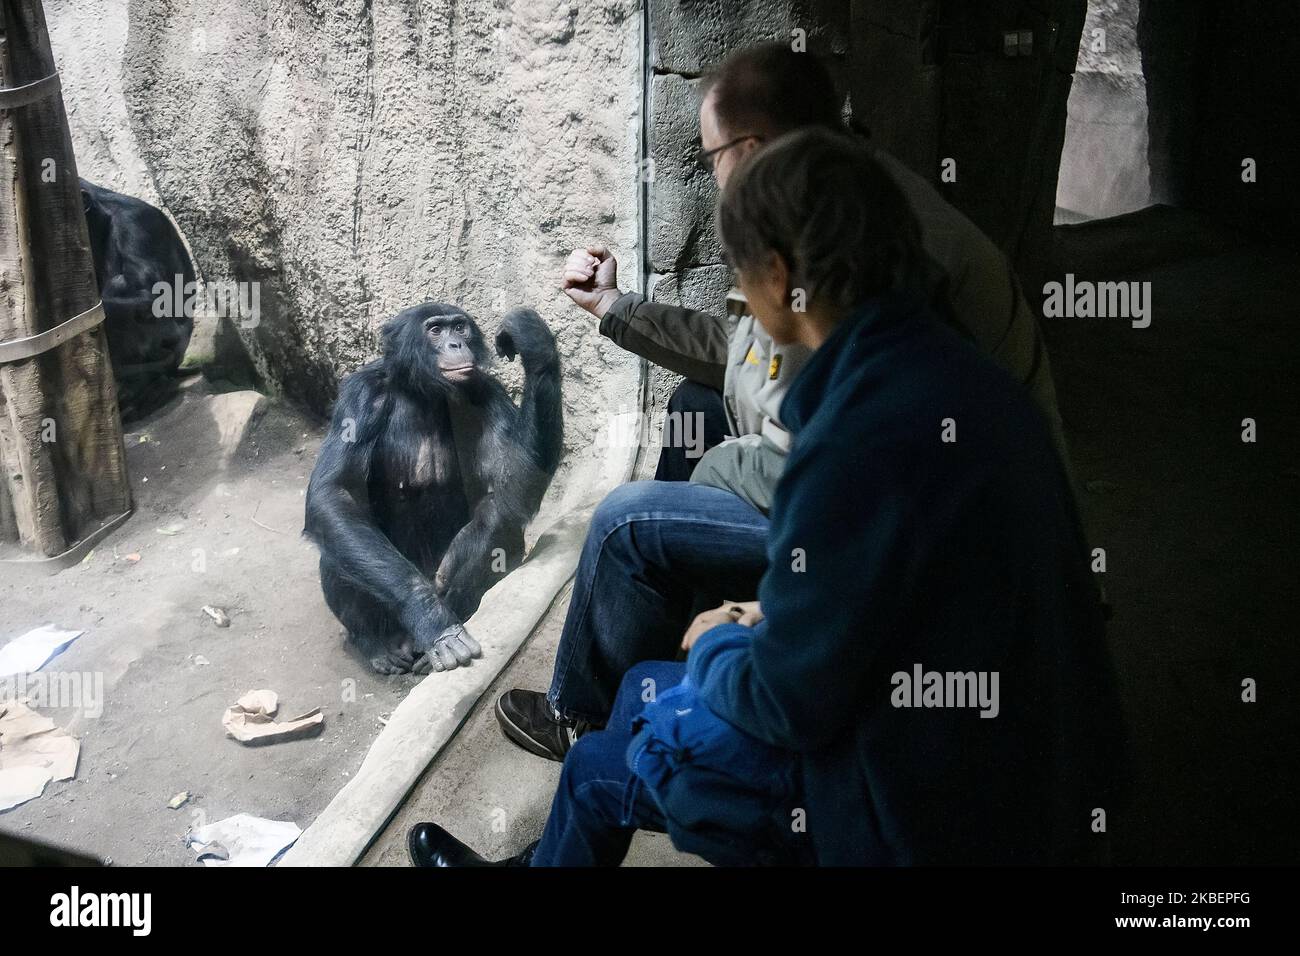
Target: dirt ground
{"x": 218, "y": 485}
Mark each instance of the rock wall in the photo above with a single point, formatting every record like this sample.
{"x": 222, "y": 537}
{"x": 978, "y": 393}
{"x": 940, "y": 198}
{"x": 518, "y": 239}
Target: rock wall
{"x": 686, "y": 38}
{"x": 1104, "y": 167}
{"x": 353, "y": 158}
{"x": 1185, "y": 93}
{"x": 941, "y": 81}
{"x": 684, "y": 259}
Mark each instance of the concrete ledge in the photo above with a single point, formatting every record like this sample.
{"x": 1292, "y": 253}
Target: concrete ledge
{"x": 425, "y": 722}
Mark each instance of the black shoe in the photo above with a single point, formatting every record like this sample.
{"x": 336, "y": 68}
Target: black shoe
{"x": 431, "y": 845}
{"x": 527, "y": 719}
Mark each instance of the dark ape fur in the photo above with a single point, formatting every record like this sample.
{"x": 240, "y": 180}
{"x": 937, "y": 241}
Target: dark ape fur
{"x": 134, "y": 245}
{"x": 427, "y": 470}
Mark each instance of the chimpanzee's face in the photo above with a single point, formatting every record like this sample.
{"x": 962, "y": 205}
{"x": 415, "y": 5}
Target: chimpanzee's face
{"x": 452, "y": 338}
{"x": 432, "y": 347}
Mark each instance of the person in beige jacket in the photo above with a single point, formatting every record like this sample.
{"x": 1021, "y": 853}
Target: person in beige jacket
{"x": 735, "y": 380}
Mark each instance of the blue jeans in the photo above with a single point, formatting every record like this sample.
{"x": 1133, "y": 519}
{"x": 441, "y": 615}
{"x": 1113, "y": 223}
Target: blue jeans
{"x": 653, "y": 549}
{"x": 592, "y": 816}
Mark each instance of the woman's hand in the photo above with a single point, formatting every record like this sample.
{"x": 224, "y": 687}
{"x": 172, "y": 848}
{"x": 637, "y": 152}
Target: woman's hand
{"x": 747, "y": 613}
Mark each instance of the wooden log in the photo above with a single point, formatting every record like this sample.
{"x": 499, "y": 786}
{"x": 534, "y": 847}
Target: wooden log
{"x": 61, "y": 451}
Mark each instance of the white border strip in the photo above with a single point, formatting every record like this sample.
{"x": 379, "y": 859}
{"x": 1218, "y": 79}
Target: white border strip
{"x": 13, "y": 97}
{"x": 15, "y": 350}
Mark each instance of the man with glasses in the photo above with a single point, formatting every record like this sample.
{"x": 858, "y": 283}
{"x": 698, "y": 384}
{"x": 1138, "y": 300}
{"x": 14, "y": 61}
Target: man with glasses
{"x": 656, "y": 550}
{"x": 705, "y": 157}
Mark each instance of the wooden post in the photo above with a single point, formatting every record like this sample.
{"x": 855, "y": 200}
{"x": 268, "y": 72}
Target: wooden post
{"x": 63, "y": 479}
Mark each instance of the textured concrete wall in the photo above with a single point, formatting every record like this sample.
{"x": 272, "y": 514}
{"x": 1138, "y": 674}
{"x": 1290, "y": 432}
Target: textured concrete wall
{"x": 934, "y": 82}
{"x": 1216, "y": 89}
{"x": 686, "y": 38}
{"x": 1104, "y": 169}
{"x": 355, "y": 158}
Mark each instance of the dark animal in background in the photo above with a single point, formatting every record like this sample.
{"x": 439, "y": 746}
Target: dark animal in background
{"x": 135, "y": 246}
{"x": 426, "y": 479}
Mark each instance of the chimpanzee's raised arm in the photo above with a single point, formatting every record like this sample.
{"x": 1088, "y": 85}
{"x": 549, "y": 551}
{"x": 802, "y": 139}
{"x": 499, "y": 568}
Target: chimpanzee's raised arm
{"x": 539, "y": 426}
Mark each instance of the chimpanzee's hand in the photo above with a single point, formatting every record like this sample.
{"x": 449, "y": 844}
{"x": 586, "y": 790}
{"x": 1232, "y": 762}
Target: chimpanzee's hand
{"x": 453, "y": 648}
{"x": 523, "y": 333}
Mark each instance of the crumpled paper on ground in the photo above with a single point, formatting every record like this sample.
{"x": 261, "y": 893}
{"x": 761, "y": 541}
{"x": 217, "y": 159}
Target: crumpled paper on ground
{"x": 252, "y": 720}
{"x": 242, "y": 840}
{"x": 33, "y": 751}
{"x": 30, "y": 652}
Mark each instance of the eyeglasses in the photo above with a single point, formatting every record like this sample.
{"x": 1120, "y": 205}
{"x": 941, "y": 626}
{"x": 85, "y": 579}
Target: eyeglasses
{"x": 706, "y": 157}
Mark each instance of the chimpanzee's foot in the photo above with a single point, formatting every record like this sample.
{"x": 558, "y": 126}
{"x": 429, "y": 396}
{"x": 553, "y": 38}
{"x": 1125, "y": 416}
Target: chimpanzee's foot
{"x": 387, "y": 656}
{"x": 389, "y": 665}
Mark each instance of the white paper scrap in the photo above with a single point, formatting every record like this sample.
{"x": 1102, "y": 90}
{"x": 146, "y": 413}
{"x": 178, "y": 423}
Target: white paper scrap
{"x": 242, "y": 840}
{"x": 32, "y": 651}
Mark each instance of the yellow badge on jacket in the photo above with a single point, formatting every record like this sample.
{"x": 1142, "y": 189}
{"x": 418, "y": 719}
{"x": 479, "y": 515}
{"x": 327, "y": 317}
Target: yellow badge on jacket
{"x": 774, "y": 368}
{"x": 751, "y": 357}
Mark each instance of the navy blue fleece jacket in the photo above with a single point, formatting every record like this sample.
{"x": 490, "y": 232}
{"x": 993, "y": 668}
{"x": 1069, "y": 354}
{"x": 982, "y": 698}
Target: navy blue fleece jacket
{"x": 894, "y": 551}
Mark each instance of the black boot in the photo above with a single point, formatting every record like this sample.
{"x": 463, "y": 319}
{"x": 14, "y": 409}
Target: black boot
{"x": 431, "y": 845}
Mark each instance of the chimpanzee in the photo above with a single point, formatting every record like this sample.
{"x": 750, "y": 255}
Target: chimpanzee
{"x": 135, "y": 246}
{"x": 426, "y": 479}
